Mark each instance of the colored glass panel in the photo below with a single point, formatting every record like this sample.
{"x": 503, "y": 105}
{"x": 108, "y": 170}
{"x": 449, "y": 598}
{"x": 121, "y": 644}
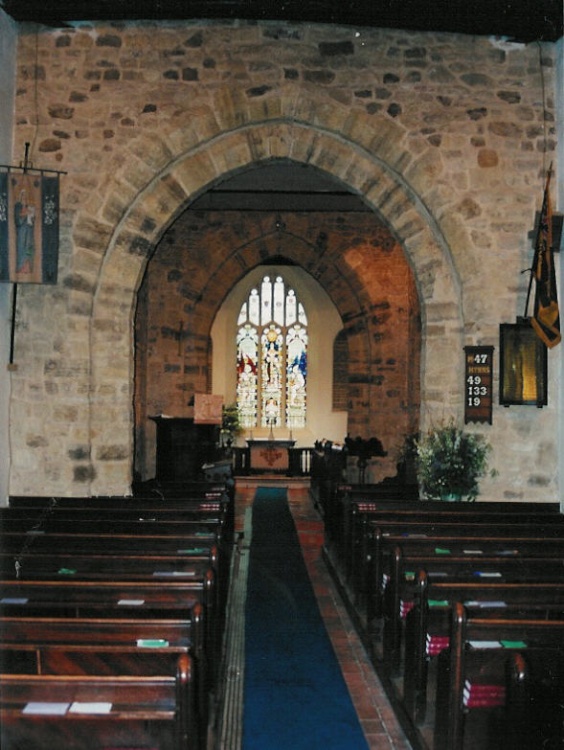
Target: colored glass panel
{"x": 247, "y": 375}
{"x": 296, "y": 363}
{"x": 272, "y": 343}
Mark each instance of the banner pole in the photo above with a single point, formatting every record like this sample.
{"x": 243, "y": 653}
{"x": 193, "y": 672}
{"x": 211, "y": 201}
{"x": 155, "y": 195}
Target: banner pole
{"x": 11, "y": 365}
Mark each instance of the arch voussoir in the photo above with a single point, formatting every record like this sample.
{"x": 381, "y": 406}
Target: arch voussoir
{"x": 311, "y": 137}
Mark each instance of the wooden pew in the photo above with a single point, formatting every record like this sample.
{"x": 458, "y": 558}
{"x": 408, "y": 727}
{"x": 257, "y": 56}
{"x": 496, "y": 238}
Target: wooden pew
{"x": 122, "y": 568}
{"x": 105, "y": 543}
{"x": 116, "y": 599}
{"x": 37, "y": 564}
{"x": 99, "y": 711}
{"x": 466, "y": 662}
{"x": 467, "y": 568}
{"x": 443, "y": 540}
{"x": 354, "y": 505}
{"x": 535, "y": 701}
{"x": 114, "y": 563}
{"x": 360, "y": 512}
{"x": 427, "y": 625}
{"x": 199, "y": 511}
{"x": 162, "y": 488}
{"x": 22, "y": 547}
{"x": 117, "y": 526}
{"x": 208, "y": 499}
{"x": 107, "y": 647}
{"x": 370, "y": 531}
{"x": 132, "y": 522}
{"x": 160, "y": 493}
{"x": 216, "y": 503}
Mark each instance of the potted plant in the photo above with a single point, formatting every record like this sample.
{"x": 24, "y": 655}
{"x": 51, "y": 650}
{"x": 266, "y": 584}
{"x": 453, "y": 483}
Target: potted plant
{"x": 450, "y": 463}
{"x": 230, "y": 425}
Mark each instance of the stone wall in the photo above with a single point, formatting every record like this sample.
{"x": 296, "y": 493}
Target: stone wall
{"x": 444, "y": 136}
{"x": 8, "y": 41}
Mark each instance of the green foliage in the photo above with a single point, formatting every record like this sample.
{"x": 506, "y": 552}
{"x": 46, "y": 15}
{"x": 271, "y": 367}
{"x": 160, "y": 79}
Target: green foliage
{"x": 450, "y": 462}
{"x": 230, "y": 421}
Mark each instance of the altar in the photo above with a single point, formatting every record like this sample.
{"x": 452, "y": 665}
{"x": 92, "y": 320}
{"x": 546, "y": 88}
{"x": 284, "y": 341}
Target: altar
{"x": 267, "y": 455}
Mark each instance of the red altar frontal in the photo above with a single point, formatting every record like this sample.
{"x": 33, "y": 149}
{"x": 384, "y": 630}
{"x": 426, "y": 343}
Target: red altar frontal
{"x": 269, "y": 455}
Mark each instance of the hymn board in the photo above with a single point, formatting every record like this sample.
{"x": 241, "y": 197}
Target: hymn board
{"x": 478, "y": 382}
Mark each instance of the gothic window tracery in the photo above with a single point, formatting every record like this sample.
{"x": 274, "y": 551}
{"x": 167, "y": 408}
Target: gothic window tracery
{"x": 272, "y": 343}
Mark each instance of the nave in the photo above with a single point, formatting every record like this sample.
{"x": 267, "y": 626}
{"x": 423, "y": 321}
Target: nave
{"x": 376, "y": 716}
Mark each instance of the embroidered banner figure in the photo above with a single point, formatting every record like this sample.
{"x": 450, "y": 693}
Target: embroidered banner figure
{"x": 29, "y": 226}
{"x": 546, "y": 315}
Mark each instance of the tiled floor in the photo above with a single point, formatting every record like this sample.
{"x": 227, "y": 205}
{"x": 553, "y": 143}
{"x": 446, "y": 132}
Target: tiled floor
{"x": 381, "y": 727}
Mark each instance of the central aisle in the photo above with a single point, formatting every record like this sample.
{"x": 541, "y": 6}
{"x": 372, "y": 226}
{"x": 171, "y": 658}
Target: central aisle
{"x": 295, "y": 697}
{"x": 375, "y": 714}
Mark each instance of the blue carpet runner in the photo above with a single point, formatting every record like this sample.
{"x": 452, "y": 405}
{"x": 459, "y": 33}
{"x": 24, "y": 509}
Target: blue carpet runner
{"x": 295, "y": 697}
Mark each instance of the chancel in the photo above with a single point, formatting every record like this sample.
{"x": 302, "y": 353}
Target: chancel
{"x": 273, "y": 467}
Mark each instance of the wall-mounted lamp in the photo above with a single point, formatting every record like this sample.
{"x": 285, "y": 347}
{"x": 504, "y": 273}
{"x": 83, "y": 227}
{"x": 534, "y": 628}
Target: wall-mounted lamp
{"x": 523, "y": 365}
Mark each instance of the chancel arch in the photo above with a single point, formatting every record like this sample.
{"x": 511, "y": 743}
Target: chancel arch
{"x": 347, "y": 257}
{"x": 188, "y": 175}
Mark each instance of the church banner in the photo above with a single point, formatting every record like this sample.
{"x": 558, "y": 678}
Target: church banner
{"x": 546, "y": 317}
{"x": 29, "y": 226}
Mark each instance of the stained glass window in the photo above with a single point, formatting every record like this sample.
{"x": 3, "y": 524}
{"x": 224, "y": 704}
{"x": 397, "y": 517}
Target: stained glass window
{"x": 272, "y": 343}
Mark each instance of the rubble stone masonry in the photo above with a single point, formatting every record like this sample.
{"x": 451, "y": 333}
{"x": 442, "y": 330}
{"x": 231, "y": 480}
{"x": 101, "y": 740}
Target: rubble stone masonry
{"x": 446, "y": 137}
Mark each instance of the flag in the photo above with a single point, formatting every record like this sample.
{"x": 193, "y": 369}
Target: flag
{"x": 546, "y": 315}
{"x": 29, "y": 227}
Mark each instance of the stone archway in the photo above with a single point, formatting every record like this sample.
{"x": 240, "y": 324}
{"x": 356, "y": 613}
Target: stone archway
{"x": 375, "y": 174}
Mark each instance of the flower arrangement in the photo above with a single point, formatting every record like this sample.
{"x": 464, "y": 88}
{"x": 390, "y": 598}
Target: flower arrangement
{"x": 450, "y": 462}
{"x": 230, "y": 424}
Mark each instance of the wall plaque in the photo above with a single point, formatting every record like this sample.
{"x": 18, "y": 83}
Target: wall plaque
{"x": 478, "y": 383}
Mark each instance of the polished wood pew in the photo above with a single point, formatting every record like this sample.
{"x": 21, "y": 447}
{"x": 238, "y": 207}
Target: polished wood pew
{"x": 162, "y": 567}
{"x": 116, "y": 599}
{"x": 213, "y": 495}
{"x": 112, "y": 568}
{"x": 26, "y": 641}
{"x": 368, "y": 530}
{"x": 23, "y": 547}
{"x": 143, "y": 523}
{"x": 154, "y": 712}
{"x": 401, "y": 588}
{"x": 534, "y": 716}
{"x": 337, "y": 505}
{"x": 23, "y": 555}
{"x": 159, "y": 493}
{"x": 443, "y": 540}
{"x": 106, "y": 597}
{"x": 197, "y": 511}
{"x": 34, "y": 563}
{"x": 170, "y": 488}
{"x": 105, "y": 543}
{"x": 477, "y": 655}
{"x": 353, "y": 505}
{"x": 428, "y": 623}
{"x": 208, "y": 502}
{"x": 89, "y": 646}
{"x": 202, "y": 496}
{"x": 108, "y": 525}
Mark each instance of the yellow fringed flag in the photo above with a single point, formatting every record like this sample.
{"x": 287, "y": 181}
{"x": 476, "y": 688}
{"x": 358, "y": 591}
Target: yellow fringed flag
{"x": 546, "y": 315}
